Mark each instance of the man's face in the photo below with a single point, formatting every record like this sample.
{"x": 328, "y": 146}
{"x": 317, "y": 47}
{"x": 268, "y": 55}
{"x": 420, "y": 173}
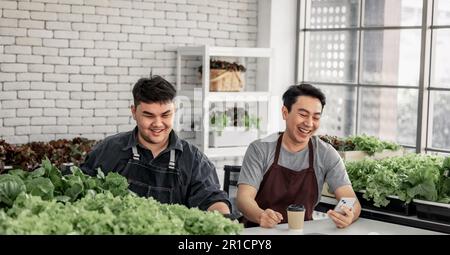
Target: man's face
{"x": 304, "y": 118}
{"x": 154, "y": 121}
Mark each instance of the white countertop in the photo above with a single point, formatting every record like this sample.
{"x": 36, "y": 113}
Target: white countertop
{"x": 326, "y": 226}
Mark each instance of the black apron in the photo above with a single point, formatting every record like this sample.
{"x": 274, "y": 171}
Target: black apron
{"x": 149, "y": 180}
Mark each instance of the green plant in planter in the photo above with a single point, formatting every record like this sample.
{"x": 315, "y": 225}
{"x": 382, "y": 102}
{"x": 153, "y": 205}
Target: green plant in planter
{"x": 369, "y": 144}
{"x": 219, "y": 121}
{"x": 251, "y": 122}
{"x": 443, "y": 185}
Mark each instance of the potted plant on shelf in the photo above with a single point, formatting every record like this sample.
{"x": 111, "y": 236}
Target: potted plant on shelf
{"x": 233, "y": 128}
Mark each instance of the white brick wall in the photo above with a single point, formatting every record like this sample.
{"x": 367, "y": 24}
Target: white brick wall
{"x": 67, "y": 67}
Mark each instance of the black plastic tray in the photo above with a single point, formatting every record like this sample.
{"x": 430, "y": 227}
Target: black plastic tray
{"x": 433, "y": 211}
{"x": 395, "y": 205}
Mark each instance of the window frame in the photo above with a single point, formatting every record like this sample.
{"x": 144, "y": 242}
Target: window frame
{"x": 427, "y": 28}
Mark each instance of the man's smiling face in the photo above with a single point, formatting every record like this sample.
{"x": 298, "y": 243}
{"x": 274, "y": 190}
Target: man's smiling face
{"x": 303, "y": 120}
{"x": 154, "y": 121}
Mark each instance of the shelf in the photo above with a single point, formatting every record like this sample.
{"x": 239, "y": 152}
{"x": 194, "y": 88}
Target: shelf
{"x": 226, "y": 52}
{"x": 225, "y": 152}
{"x": 238, "y": 96}
{"x": 202, "y": 100}
{"x": 246, "y": 96}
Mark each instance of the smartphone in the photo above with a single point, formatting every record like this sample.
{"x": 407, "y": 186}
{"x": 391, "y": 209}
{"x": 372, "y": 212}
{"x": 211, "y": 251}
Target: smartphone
{"x": 347, "y": 201}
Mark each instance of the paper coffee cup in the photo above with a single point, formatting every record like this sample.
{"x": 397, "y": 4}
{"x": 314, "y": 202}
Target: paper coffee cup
{"x": 296, "y": 216}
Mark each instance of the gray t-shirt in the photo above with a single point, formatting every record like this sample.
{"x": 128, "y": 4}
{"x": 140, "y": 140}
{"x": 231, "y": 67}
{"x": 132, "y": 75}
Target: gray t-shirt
{"x": 328, "y": 165}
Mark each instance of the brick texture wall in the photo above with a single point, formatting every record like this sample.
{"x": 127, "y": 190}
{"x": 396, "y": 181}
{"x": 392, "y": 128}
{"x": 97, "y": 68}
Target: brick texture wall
{"x": 67, "y": 66}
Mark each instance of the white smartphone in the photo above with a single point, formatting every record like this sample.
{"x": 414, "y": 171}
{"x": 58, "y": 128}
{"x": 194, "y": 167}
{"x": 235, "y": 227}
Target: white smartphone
{"x": 347, "y": 201}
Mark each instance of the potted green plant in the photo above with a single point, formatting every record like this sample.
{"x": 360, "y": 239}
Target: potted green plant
{"x": 233, "y": 128}
{"x": 218, "y": 121}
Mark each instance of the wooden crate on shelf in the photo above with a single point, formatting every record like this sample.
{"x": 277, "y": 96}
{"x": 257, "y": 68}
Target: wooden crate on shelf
{"x": 224, "y": 80}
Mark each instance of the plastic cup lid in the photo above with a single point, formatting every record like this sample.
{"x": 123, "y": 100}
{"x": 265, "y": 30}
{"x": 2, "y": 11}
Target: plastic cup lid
{"x": 296, "y": 207}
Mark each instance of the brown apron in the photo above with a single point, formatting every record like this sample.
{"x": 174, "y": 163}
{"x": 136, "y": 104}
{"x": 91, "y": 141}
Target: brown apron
{"x": 282, "y": 186}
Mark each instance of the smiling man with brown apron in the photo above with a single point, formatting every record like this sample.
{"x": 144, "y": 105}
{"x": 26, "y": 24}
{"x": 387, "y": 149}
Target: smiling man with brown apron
{"x": 155, "y": 161}
{"x": 291, "y": 167}
{"x": 281, "y": 185}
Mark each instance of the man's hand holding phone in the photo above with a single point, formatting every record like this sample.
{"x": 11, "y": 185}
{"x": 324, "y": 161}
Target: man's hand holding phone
{"x": 342, "y": 215}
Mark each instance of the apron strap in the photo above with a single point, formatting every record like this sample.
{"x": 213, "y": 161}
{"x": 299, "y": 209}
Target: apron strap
{"x": 172, "y": 160}
{"x": 311, "y": 153}
{"x": 136, "y": 156}
{"x": 277, "y": 151}
{"x": 135, "y": 153}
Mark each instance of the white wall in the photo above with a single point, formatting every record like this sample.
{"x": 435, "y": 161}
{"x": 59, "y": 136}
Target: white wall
{"x": 277, "y": 21}
{"x": 67, "y": 66}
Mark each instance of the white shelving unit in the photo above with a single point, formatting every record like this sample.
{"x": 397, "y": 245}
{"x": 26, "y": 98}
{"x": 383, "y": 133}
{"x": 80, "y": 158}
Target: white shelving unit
{"x": 261, "y": 93}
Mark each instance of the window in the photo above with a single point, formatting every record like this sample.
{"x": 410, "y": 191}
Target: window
{"x": 383, "y": 67}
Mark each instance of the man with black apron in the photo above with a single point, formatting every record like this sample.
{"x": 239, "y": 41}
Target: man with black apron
{"x": 291, "y": 167}
{"x": 156, "y": 162}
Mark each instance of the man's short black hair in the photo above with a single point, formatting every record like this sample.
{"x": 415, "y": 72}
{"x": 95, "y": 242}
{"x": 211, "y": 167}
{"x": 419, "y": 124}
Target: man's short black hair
{"x": 294, "y": 91}
{"x": 153, "y": 90}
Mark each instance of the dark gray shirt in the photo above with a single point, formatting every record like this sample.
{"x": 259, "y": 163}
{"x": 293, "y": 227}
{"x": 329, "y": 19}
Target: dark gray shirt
{"x": 200, "y": 186}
